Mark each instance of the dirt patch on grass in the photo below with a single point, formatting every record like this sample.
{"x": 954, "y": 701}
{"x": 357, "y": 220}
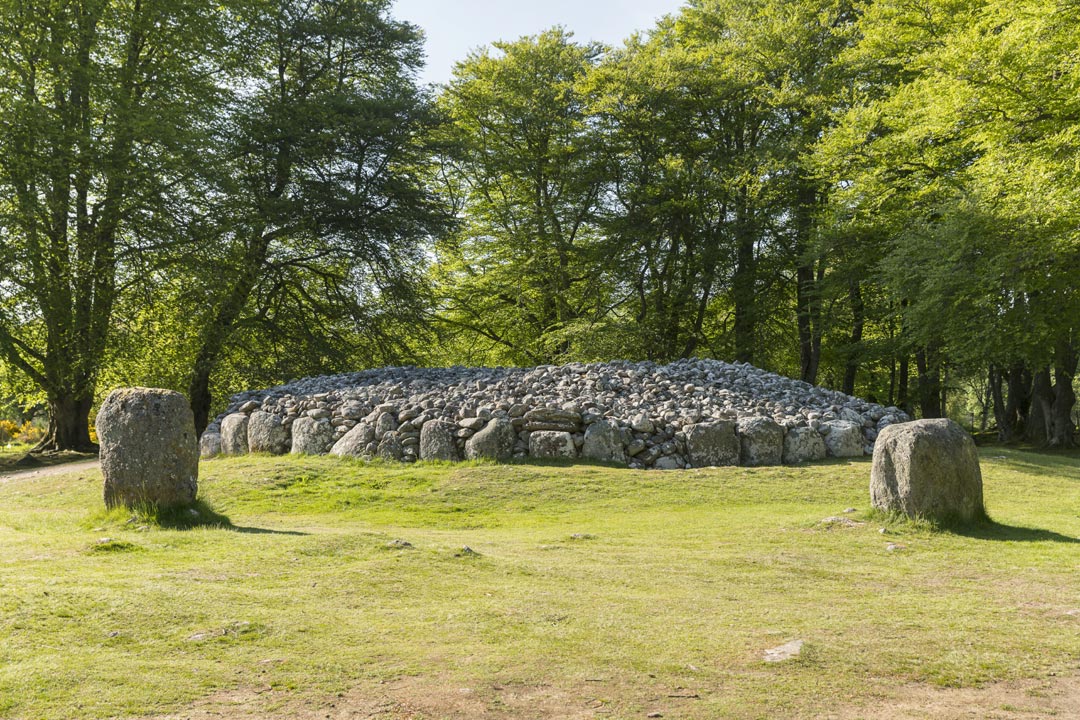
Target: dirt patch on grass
{"x": 421, "y": 698}
{"x": 45, "y": 466}
{"x": 1052, "y": 697}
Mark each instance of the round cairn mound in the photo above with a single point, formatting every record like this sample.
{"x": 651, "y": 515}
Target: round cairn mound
{"x": 691, "y": 413}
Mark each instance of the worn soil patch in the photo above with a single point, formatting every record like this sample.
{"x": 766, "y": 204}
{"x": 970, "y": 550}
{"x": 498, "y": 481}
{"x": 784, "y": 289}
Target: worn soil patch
{"x": 419, "y": 698}
{"x": 78, "y": 463}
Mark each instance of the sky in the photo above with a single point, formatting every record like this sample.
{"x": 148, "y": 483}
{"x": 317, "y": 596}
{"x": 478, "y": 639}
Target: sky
{"x": 454, "y": 27}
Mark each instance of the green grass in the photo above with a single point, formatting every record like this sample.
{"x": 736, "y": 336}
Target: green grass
{"x": 635, "y": 589}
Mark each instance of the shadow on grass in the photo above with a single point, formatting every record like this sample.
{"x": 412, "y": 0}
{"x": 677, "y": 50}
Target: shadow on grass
{"x": 990, "y": 530}
{"x": 202, "y": 515}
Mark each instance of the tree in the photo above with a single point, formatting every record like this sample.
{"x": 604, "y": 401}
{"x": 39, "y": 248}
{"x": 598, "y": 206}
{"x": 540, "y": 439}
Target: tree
{"x": 103, "y": 109}
{"x": 960, "y": 159}
{"x": 522, "y": 273}
{"x": 320, "y": 203}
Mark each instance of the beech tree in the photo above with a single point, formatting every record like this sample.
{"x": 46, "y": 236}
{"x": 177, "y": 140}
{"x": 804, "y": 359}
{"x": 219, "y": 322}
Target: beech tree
{"x": 320, "y": 201}
{"x": 103, "y": 107}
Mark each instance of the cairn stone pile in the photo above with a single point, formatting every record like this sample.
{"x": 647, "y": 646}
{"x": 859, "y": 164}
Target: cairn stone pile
{"x": 691, "y": 413}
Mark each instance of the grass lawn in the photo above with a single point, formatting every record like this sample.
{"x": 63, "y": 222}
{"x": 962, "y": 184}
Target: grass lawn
{"x": 589, "y": 592}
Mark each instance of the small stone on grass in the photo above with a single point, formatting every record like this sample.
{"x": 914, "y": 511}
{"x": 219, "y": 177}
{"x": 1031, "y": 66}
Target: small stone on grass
{"x": 787, "y": 651}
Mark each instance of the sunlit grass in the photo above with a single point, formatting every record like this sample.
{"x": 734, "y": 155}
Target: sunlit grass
{"x": 288, "y": 576}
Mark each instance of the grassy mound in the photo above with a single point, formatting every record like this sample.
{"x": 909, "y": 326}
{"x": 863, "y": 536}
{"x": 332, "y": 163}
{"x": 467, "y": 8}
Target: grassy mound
{"x": 301, "y": 585}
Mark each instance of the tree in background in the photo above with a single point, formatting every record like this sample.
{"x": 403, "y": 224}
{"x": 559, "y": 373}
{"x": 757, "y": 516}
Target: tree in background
{"x": 523, "y": 274}
{"x": 103, "y": 106}
{"x": 319, "y": 210}
{"x": 963, "y": 158}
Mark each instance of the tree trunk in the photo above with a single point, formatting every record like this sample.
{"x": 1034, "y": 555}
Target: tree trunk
{"x": 69, "y": 423}
{"x": 929, "y": 365}
{"x": 807, "y": 298}
{"x": 858, "y": 319}
{"x": 1038, "y": 430}
{"x": 903, "y": 399}
{"x": 745, "y": 310}
{"x": 1065, "y": 361}
{"x": 1001, "y": 411}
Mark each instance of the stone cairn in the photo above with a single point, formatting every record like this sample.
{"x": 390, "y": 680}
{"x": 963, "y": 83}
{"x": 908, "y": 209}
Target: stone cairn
{"x": 691, "y": 413}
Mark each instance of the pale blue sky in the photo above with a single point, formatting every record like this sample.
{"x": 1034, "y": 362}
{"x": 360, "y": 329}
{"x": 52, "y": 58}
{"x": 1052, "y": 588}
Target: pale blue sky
{"x": 454, "y": 27}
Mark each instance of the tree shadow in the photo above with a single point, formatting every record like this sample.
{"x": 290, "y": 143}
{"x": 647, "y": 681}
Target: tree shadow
{"x": 990, "y": 530}
{"x": 200, "y": 514}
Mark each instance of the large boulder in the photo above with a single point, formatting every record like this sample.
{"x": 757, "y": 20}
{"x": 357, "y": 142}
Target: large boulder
{"x": 437, "y": 441}
{"x": 603, "y": 442}
{"x": 267, "y": 434}
{"x": 802, "y": 444}
{"x": 552, "y": 444}
{"x": 710, "y": 444}
{"x": 494, "y": 442}
{"x": 311, "y": 436}
{"x": 844, "y": 439}
{"x": 149, "y": 451}
{"x": 927, "y": 469}
{"x": 234, "y": 434}
{"x": 761, "y": 440}
{"x": 355, "y": 442}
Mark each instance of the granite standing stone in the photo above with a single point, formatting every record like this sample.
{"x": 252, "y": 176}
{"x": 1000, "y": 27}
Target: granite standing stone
{"x": 927, "y": 469}
{"x": 149, "y": 454}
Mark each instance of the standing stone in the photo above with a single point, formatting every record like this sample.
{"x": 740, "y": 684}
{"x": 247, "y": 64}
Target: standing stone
{"x": 234, "y": 434}
{"x": 927, "y": 469}
{"x": 311, "y": 436}
{"x": 603, "y": 442}
{"x": 494, "y": 442}
{"x": 844, "y": 439}
{"x": 266, "y": 434}
{"x": 761, "y": 440}
{"x": 712, "y": 443}
{"x": 437, "y": 441}
{"x": 355, "y": 442}
{"x": 802, "y": 444}
{"x": 552, "y": 444}
{"x": 149, "y": 454}
{"x": 210, "y": 445}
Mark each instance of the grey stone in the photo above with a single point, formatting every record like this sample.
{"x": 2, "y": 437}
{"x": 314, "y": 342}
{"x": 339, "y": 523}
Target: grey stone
{"x": 927, "y": 469}
{"x": 473, "y": 423}
{"x": 712, "y": 443}
{"x": 552, "y": 444}
{"x": 149, "y": 452}
{"x": 641, "y": 423}
{"x": 761, "y": 441}
{"x": 234, "y": 434}
{"x": 390, "y": 447}
{"x": 437, "y": 441}
{"x": 603, "y": 442}
{"x": 670, "y": 462}
{"x": 210, "y": 445}
{"x": 266, "y": 434}
{"x": 802, "y": 444}
{"x": 494, "y": 442}
{"x": 787, "y": 651}
{"x": 355, "y": 442}
{"x": 311, "y": 436}
{"x": 385, "y": 422}
{"x": 844, "y": 439}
